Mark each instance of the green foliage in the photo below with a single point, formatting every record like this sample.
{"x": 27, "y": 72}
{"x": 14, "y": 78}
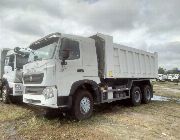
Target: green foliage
{"x": 161, "y": 70}
{"x": 172, "y": 71}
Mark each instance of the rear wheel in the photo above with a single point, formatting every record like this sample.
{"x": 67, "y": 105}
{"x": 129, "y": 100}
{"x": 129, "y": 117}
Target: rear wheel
{"x": 5, "y": 95}
{"x": 82, "y": 105}
{"x": 136, "y": 96}
{"x": 146, "y": 96}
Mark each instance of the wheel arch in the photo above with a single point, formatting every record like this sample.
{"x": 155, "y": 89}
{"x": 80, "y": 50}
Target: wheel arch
{"x": 89, "y": 85}
{"x": 5, "y": 82}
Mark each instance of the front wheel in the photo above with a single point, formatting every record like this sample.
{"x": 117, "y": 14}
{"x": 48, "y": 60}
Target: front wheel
{"x": 5, "y": 96}
{"x": 82, "y": 105}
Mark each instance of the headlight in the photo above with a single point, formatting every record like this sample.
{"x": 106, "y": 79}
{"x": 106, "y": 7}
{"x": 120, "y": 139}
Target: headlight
{"x": 17, "y": 87}
{"x": 48, "y": 93}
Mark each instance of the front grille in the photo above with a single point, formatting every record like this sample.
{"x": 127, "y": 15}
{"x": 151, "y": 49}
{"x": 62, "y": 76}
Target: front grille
{"x": 34, "y": 90}
{"x": 33, "y": 79}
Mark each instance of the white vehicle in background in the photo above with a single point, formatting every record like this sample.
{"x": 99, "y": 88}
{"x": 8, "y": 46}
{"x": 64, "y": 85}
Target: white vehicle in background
{"x": 170, "y": 77}
{"x": 162, "y": 77}
{"x": 74, "y": 73}
{"x": 11, "y": 66}
{"x": 175, "y": 78}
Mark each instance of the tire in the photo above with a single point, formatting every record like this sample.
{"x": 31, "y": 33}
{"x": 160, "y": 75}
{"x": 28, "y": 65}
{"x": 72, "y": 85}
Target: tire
{"x": 147, "y": 92}
{"x": 136, "y": 96}
{"x": 5, "y": 96}
{"x": 16, "y": 100}
{"x": 83, "y": 105}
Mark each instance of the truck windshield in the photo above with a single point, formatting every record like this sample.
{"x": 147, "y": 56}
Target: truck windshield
{"x": 43, "y": 50}
{"x": 20, "y": 61}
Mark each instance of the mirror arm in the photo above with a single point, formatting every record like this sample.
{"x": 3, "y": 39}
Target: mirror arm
{"x": 63, "y": 62}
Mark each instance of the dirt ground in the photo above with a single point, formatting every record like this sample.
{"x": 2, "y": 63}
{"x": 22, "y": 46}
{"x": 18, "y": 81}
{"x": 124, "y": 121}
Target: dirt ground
{"x": 157, "y": 120}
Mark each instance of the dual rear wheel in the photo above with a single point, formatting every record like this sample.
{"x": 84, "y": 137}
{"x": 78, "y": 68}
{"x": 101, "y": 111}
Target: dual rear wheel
{"x": 141, "y": 95}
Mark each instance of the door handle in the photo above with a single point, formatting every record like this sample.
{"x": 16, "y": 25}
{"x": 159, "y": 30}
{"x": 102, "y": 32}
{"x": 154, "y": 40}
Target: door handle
{"x": 80, "y": 70}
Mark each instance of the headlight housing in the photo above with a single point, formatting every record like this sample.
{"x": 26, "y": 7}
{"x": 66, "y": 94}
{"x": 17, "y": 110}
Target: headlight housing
{"x": 18, "y": 87}
{"x": 48, "y": 92}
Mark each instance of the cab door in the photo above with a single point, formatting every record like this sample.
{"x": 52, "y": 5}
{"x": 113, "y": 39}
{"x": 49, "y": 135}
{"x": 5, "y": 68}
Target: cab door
{"x": 69, "y": 69}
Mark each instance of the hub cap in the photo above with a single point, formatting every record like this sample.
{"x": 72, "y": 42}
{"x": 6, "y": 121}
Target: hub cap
{"x": 137, "y": 96}
{"x": 85, "y": 105}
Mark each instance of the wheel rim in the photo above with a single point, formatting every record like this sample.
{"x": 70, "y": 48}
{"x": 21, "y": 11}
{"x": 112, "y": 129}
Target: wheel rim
{"x": 137, "y": 96}
{"x": 4, "y": 93}
{"x": 148, "y": 94}
{"x": 85, "y": 105}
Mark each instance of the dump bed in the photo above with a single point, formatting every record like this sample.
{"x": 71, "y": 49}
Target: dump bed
{"x": 3, "y": 53}
{"x": 119, "y": 61}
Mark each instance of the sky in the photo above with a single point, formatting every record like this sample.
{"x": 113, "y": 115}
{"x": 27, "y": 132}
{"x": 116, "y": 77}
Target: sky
{"x": 151, "y": 25}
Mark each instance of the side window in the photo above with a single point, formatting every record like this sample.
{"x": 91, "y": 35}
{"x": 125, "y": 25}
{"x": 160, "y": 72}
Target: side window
{"x": 71, "y": 46}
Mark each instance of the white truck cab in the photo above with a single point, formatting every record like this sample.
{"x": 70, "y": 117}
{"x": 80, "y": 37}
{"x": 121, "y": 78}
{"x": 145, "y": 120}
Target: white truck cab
{"x": 11, "y": 80}
{"x": 73, "y": 72}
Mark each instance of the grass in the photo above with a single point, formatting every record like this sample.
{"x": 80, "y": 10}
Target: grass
{"x": 167, "y": 89}
{"x": 12, "y": 112}
{"x": 157, "y": 120}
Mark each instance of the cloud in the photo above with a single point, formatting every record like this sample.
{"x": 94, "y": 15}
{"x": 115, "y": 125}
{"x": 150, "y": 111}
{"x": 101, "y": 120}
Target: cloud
{"x": 161, "y": 17}
{"x": 168, "y": 54}
{"x": 148, "y": 25}
{"x": 104, "y": 15}
{"x": 24, "y": 25}
{"x": 48, "y": 7}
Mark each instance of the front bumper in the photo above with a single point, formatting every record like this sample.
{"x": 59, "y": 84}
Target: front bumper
{"x": 42, "y": 101}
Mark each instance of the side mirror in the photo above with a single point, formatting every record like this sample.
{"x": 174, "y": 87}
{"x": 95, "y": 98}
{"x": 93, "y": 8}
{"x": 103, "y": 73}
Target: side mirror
{"x": 65, "y": 55}
{"x": 17, "y": 49}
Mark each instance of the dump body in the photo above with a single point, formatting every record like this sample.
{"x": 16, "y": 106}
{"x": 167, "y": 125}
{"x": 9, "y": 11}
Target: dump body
{"x": 119, "y": 61}
{"x": 133, "y": 63}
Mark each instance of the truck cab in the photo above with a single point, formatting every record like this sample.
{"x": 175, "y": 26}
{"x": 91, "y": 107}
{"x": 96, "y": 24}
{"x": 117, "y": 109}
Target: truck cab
{"x": 55, "y": 63}
{"x": 12, "y": 86}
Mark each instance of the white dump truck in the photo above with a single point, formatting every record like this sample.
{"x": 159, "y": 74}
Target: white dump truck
{"x": 12, "y": 61}
{"x": 74, "y": 72}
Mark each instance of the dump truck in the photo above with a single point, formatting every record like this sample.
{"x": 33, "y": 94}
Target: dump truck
{"x": 11, "y": 86}
{"x": 73, "y": 73}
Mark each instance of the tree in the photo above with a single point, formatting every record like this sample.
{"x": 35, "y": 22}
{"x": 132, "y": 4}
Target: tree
{"x": 175, "y": 71}
{"x": 161, "y": 70}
